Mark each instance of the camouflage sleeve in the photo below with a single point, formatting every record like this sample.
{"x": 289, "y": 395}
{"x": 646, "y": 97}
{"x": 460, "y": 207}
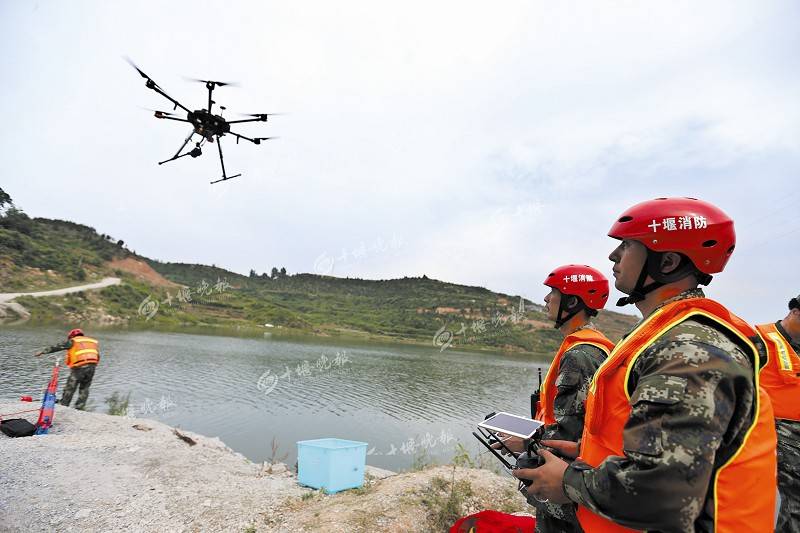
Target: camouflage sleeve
{"x": 58, "y": 347}
{"x": 788, "y": 474}
{"x": 575, "y": 372}
{"x": 691, "y": 392}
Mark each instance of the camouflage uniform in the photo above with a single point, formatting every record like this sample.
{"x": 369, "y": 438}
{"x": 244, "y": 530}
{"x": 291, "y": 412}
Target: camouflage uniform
{"x": 788, "y": 464}
{"x": 578, "y": 365}
{"x": 81, "y": 375}
{"x": 692, "y": 401}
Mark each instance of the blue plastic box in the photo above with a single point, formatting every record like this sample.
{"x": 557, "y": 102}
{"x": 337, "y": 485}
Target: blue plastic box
{"x": 331, "y": 464}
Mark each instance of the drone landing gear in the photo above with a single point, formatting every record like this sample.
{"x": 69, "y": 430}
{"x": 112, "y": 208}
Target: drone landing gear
{"x": 222, "y": 163}
{"x": 194, "y": 152}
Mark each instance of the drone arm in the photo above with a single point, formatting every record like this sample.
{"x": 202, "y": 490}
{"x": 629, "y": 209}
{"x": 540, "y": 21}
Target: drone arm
{"x": 257, "y": 140}
{"x": 157, "y": 89}
{"x": 246, "y": 120}
{"x": 243, "y": 137}
{"x": 151, "y": 84}
{"x": 173, "y": 118}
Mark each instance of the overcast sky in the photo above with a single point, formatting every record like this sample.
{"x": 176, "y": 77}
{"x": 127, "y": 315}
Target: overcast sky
{"x": 475, "y": 142}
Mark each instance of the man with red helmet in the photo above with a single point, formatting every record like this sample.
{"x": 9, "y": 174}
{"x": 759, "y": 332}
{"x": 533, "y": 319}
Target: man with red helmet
{"x": 780, "y": 377}
{"x": 678, "y": 435}
{"x": 83, "y": 354}
{"x": 577, "y": 293}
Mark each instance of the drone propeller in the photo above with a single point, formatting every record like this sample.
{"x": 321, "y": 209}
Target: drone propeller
{"x": 158, "y": 113}
{"x": 259, "y": 115}
{"x": 163, "y": 114}
{"x": 217, "y": 83}
{"x": 141, "y": 73}
{"x": 258, "y": 140}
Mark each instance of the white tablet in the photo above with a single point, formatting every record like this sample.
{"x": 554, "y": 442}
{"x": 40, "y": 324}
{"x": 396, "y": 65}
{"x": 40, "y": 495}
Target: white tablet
{"x": 515, "y": 425}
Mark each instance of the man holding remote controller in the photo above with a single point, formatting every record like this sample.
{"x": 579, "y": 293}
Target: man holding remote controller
{"x": 577, "y": 293}
{"x": 678, "y": 436}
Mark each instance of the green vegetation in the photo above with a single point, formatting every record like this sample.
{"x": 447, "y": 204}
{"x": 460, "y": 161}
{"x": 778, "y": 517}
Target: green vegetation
{"x": 118, "y": 404}
{"x": 445, "y": 501}
{"x": 38, "y": 254}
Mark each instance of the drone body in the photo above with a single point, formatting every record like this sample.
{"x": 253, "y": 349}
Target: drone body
{"x": 204, "y": 122}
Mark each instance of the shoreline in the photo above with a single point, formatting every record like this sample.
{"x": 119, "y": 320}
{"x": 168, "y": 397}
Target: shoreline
{"x": 98, "y": 472}
{"x": 290, "y": 335}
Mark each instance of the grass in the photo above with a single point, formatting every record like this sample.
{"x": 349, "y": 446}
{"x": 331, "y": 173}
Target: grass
{"x": 37, "y": 253}
{"x": 445, "y": 501}
{"x": 364, "y": 489}
{"x": 117, "y": 404}
{"x": 421, "y": 461}
{"x": 274, "y": 456}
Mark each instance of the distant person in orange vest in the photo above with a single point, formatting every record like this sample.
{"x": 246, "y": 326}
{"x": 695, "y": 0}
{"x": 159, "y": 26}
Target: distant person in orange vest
{"x": 577, "y": 293}
{"x": 83, "y": 354}
{"x": 780, "y": 377}
{"x": 678, "y": 437}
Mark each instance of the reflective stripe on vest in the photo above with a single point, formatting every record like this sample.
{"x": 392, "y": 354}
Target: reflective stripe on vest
{"x": 84, "y": 351}
{"x": 744, "y": 487}
{"x": 549, "y": 390}
{"x": 779, "y": 376}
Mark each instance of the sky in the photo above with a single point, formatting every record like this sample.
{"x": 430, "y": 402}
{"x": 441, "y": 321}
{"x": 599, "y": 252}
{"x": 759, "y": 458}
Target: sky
{"x": 472, "y": 142}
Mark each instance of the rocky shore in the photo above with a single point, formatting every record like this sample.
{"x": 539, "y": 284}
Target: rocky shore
{"x": 96, "y": 472}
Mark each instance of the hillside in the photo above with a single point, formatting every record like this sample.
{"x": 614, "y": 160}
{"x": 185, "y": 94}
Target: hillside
{"x": 38, "y": 254}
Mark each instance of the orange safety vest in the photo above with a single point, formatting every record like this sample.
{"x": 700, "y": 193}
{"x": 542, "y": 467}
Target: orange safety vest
{"x": 780, "y": 376}
{"x": 84, "y": 351}
{"x": 592, "y": 337}
{"x": 744, "y": 487}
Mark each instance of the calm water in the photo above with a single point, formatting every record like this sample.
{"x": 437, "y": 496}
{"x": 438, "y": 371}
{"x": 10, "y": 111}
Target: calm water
{"x": 403, "y": 401}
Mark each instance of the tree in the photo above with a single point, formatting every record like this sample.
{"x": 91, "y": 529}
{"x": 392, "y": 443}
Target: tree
{"x": 283, "y": 272}
{"x": 274, "y": 274}
{"x": 5, "y": 199}
{"x": 252, "y": 273}
{"x": 5, "y": 202}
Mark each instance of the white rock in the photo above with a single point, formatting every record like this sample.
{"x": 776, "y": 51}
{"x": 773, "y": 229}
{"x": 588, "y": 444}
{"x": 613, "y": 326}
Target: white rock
{"x": 378, "y": 473}
{"x": 83, "y": 513}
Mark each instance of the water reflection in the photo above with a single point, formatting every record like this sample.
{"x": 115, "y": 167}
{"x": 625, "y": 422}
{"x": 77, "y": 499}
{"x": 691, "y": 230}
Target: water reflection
{"x": 387, "y": 396}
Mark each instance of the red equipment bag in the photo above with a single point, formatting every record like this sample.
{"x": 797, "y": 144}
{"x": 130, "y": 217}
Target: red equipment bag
{"x": 494, "y": 522}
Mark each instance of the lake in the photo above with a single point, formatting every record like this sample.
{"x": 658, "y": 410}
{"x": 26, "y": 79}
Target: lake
{"x": 407, "y": 402}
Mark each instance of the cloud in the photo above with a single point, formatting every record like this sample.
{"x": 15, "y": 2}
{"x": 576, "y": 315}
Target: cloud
{"x": 496, "y": 141}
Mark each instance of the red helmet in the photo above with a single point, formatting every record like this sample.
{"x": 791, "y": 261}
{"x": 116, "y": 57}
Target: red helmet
{"x": 74, "y": 333}
{"x": 582, "y": 281}
{"x": 697, "y": 229}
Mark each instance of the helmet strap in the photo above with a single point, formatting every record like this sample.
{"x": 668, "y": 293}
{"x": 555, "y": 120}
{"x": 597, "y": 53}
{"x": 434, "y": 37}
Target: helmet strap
{"x": 562, "y": 308}
{"x": 639, "y": 291}
{"x": 652, "y": 268}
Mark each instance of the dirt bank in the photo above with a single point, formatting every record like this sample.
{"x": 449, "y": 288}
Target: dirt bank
{"x": 96, "y": 472}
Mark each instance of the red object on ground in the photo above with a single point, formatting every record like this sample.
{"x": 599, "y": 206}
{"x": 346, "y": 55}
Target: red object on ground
{"x": 494, "y": 522}
{"x": 48, "y": 404}
{"x": 26, "y": 399}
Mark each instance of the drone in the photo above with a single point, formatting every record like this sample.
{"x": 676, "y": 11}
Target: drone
{"x": 204, "y": 122}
